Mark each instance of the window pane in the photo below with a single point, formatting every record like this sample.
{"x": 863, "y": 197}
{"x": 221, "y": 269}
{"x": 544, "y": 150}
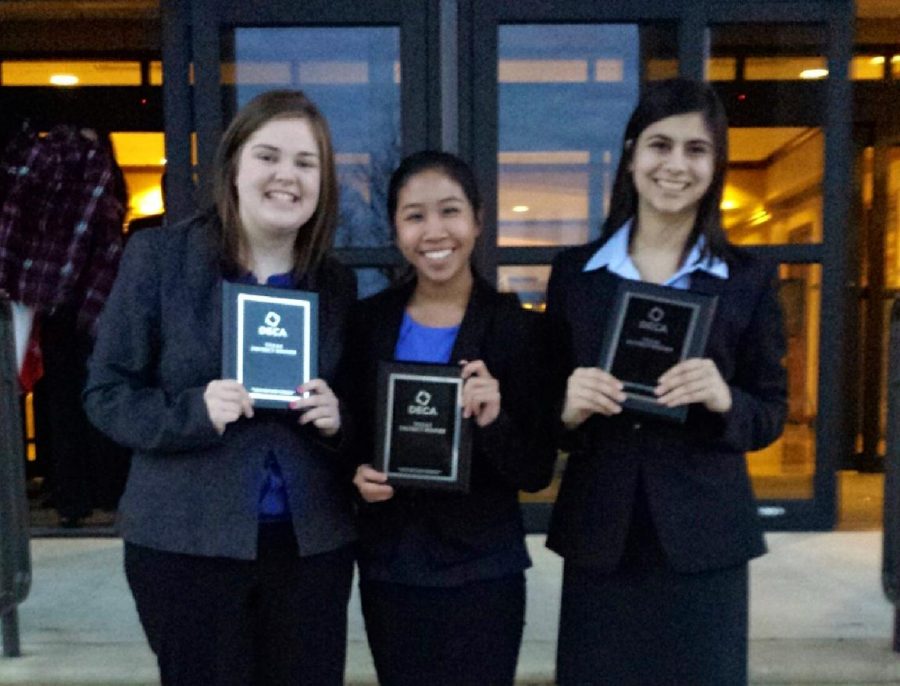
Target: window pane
{"x": 529, "y": 282}
{"x": 767, "y": 52}
{"x": 892, "y": 230}
{"x": 70, "y": 73}
{"x": 554, "y": 181}
{"x": 867, "y": 67}
{"x": 142, "y": 158}
{"x": 353, "y": 75}
{"x": 773, "y": 191}
{"x": 784, "y": 68}
{"x": 785, "y": 469}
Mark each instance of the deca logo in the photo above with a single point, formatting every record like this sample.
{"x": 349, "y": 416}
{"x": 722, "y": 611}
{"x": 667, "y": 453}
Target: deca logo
{"x": 654, "y": 321}
{"x": 422, "y": 406}
{"x": 271, "y": 328}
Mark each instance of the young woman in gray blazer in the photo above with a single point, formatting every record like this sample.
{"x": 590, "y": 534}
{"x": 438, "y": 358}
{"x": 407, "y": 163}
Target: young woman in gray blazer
{"x": 237, "y": 521}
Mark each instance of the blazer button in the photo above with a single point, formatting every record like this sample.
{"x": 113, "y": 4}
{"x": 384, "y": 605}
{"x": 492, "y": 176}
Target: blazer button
{"x": 636, "y": 426}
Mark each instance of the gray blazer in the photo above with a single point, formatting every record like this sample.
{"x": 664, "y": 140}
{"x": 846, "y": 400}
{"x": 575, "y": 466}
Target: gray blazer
{"x": 191, "y": 490}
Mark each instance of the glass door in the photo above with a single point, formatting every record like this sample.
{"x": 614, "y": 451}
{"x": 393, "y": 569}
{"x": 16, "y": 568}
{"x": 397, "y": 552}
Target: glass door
{"x": 551, "y": 93}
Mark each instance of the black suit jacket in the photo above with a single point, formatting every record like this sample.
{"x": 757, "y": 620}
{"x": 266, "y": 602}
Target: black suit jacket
{"x": 515, "y": 452}
{"x": 695, "y": 475}
{"x": 191, "y": 490}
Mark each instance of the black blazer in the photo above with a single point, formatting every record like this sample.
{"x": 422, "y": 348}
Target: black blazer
{"x": 695, "y": 475}
{"x": 191, "y": 490}
{"x": 515, "y": 452}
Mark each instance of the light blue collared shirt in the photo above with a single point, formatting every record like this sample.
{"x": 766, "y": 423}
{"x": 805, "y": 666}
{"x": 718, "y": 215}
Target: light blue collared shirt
{"x": 614, "y": 256}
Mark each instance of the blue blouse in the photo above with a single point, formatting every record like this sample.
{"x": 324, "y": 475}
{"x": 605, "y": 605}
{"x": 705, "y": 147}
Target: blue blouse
{"x": 419, "y": 343}
{"x": 273, "y": 503}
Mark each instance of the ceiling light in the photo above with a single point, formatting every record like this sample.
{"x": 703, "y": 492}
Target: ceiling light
{"x": 63, "y": 79}
{"x": 520, "y": 208}
{"x": 813, "y": 73}
{"x": 728, "y": 205}
{"x": 877, "y": 60}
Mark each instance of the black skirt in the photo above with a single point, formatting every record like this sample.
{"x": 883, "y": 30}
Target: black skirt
{"x": 645, "y": 624}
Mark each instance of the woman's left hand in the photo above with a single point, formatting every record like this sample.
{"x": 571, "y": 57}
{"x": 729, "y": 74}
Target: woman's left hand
{"x": 480, "y": 394}
{"x": 319, "y": 406}
{"x": 696, "y": 380}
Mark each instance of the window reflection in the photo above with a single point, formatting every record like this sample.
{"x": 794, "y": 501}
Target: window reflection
{"x": 353, "y": 75}
{"x": 554, "y": 180}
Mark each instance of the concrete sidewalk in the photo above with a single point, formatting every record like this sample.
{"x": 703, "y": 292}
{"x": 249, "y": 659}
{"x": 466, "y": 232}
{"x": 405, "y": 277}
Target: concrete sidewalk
{"x": 818, "y": 616}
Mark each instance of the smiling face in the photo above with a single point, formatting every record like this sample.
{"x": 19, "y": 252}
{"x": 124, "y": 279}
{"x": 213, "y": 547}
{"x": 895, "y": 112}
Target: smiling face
{"x": 436, "y": 227}
{"x": 673, "y": 165}
{"x": 278, "y": 179}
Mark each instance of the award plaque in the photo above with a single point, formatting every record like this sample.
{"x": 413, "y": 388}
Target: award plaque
{"x": 269, "y": 340}
{"x": 422, "y": 438}
{"x": 652, "y": 329}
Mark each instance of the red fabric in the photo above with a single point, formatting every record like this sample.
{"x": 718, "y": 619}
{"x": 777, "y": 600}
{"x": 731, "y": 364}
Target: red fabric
{"x": 33, "y": 363}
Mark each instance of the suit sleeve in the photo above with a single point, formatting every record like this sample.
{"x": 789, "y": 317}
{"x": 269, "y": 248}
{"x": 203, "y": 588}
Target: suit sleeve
{"x": 520, "y": 444}
{"x": 354, "y": 389}
{"x": 562, "y": 358}
{"x": 759, "y": 386}
{"x": 123, "y": 396}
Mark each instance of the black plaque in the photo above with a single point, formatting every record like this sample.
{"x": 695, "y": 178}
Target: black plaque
{"x": 423, "y": 439}
{"x": 653, "y": 328}
{"x": 269, "y": 340}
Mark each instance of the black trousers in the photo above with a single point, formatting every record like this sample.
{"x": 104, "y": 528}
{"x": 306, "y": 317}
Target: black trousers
{"x": 467, "y": 635}
{"x": 277, "y": 620}
{"x": 86, "y": 469}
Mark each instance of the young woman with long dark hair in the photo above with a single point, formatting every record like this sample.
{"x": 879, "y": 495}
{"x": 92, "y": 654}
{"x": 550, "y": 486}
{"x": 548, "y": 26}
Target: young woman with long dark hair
{"x": 657, "y": 520}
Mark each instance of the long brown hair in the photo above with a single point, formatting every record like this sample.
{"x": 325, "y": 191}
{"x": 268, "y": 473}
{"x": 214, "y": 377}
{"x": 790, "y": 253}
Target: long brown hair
{"x": 314, "y": 238}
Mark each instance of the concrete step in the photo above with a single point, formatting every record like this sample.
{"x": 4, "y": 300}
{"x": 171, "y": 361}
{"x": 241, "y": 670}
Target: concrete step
{"x": 818, "y": 616}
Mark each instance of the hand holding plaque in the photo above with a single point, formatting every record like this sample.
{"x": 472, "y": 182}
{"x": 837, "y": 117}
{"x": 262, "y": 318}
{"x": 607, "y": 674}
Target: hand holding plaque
{"x": 652, "y": 329}
{"x": 423, "y": 439}
{"x": 269, "y": 341}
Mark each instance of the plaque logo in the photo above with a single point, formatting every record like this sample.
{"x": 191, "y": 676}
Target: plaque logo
{"x": 654, "y": 322}
{"x": 271, "y": 328}
{"x": 422, "y": 399}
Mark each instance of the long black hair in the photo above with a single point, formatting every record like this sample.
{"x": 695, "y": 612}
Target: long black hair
{"x": 661, "y": 99}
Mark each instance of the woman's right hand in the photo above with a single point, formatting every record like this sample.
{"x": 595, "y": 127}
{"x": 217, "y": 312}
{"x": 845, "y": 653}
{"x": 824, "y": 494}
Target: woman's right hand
{"x": 372, "y": 484}
{"x": 591, "y": 390}
{"x": 226, "y": 401}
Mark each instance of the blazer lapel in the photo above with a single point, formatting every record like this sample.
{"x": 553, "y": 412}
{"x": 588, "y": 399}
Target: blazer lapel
{"x": 473, "y": 328}
{"x": 591, "y": 312}
{"x": 386, "y": 330}
{"x": 202, "y": 274}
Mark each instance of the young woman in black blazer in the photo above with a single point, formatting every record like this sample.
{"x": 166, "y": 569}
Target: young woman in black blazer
{"x": 441, "y": 574}
{"x": 238, "y": 523}
{"x": 657, "y": 520}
